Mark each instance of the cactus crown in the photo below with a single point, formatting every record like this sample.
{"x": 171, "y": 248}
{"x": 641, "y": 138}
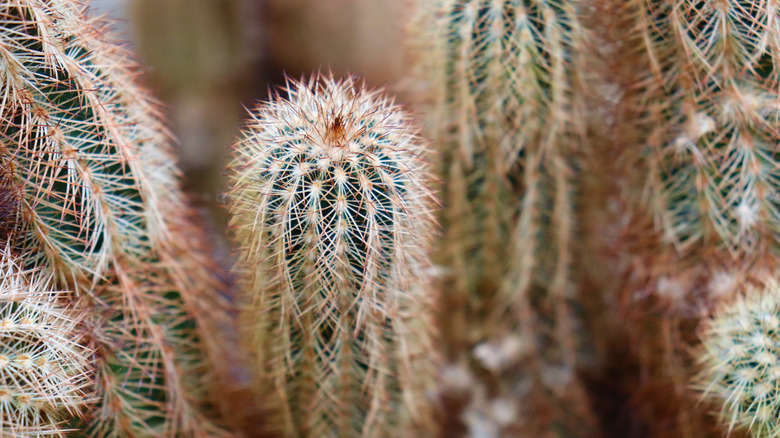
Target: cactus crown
{"x": 332, "y": 181}
{"x": 45, "y": 373}
{"x": 330, "y": 203}
{"x": 740, "y": 358}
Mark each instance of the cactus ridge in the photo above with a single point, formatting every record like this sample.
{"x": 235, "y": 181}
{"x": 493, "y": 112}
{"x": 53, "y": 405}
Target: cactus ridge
{"x": 45, "y": 372}
{"x": 329, "y": 197}
{"x": 100, "y": 209}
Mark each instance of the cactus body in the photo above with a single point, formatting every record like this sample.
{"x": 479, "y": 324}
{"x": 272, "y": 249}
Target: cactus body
{"x": 499, "y": 82}
{"x": 45, "y": 374}
{"x": 329, "y": 201}
{"x": 697, "y": 192}
{"x": 100, "y": 210}
{"x": 714, "y": 165}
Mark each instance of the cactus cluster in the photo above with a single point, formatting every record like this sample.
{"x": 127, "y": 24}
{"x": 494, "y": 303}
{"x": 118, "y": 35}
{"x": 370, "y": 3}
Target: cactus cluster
{"x": 330, "y": 203}
{"x": 610, "y": 214}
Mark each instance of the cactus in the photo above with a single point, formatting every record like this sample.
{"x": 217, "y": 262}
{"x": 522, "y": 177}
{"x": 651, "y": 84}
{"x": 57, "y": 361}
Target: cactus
{"x": 45, "y": 371}
{"x": 330, "y": 204}
{"x": 713, "y": 169}
{"x": 739, "y": 359}
{"x": 501, "y": 109}
{"x": 700, "y": 210}
{"x": 99, "y": 209}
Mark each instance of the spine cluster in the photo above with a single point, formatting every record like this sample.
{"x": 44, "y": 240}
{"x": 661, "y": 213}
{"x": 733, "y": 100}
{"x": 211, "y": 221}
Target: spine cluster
{"x": 45, "y": 371}
{"x": 330, "y": 203}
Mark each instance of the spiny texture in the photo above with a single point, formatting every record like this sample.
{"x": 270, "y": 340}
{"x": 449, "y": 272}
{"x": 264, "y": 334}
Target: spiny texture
{"x": 499, "y": 79}
{"x": 740, "y": 357}
{"x": 45, "y": 372}
{"x": 701, "y": 98}
{"x": 714, "y": 103}
{"x": 329, "y": 200}
{"x": 100, "y": 209}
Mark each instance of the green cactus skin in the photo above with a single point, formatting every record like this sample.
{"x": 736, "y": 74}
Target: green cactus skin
{"x": 329, "y": 200}
{"x": 100, "y": 209}
{"x": 739, "y": 360}
{"x": 45, "y": 372}
{"x": 499, "y": 82}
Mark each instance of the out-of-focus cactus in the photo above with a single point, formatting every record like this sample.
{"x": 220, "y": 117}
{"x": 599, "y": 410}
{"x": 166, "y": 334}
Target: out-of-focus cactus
{"x": 703, "y": 218}
{"x": 498, "y": 82}
{"x": 45, "y": 371}
{"x": 99, "y": 209}
{"x": 330, "y": 203}
{"x": 204, "y": 58}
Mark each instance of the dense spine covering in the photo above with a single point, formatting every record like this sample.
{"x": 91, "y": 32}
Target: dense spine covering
{"x": 100, "y": 209}
{"x": 740, "y": 354}
{"x": 46, "y": 373}
{"x": 499, "y": 82}
{"x": 330, "y": 204}
{"x": 714, "y": 172}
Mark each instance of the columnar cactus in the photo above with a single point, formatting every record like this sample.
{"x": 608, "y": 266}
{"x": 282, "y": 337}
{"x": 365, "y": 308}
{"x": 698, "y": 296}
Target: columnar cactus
{"x": 330, "y": 204}
{"x": 101, "y": 211}
{"x": 501, "y": 110}
{"x": 45, "y": 371}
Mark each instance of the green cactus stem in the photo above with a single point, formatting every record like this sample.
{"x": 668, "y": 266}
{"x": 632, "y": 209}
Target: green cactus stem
{"x": 330, "y": 204}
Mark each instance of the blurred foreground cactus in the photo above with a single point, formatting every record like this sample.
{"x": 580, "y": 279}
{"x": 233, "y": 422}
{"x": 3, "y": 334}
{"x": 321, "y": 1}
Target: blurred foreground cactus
{"x": 98, "y": 208}
{"x": 330, "y": 203}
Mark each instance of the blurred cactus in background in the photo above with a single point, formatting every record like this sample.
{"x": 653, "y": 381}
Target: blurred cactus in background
{"x": 500, "y": 105}
{"x": 330, "y": 207}
{"x": 204, "y": 58}
{"x": 99, "y": 209}
{"x": 669, "y": 108}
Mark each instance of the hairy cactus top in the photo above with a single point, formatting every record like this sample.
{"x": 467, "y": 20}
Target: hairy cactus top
{"x": 44, "y": 373}
{"x": 330, "y": 203}
{"x": 741, "y": 361}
